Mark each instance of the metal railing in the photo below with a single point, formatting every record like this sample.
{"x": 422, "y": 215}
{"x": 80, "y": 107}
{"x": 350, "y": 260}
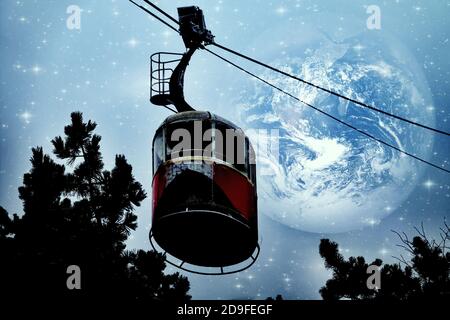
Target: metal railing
{"x": 162, "y": 65}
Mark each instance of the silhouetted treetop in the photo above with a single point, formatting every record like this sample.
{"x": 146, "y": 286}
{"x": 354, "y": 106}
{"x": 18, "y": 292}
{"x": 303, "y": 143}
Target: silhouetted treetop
{"x": 81, "y": 217}
{"x": 425, "y": 276}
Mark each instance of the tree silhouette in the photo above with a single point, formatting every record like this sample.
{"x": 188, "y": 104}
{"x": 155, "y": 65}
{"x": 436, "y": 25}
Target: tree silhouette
{"x": 279, "y": 297}
{"x": 82, "y": 217}
{"x": 425, "y": 276}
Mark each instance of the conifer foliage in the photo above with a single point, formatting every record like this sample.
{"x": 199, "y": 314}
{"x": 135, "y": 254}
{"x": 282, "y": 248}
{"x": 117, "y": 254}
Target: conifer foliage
{"x": 426, "y": 274}
{"x": 75, "y": 212}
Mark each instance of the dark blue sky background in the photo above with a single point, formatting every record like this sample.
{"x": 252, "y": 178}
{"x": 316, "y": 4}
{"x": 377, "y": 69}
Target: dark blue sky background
{"x": 48, "y": 71}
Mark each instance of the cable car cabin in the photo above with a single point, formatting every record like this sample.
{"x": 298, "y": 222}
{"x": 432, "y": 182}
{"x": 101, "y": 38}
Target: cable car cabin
{"x": 204, "y": 190}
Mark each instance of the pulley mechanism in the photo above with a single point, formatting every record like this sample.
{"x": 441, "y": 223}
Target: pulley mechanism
{"x": 193, "y": 27}
{"x": 168, "y": 69}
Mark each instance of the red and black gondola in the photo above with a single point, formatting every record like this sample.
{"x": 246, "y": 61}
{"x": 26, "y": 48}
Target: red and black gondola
{"x": 204, "y": 203}
{"x": 204, "y": 171}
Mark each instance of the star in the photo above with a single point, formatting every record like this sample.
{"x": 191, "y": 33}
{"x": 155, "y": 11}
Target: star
{"x": 26, "y": 116}
{"x": 281, "y": 10}
{"x": 36, "y": 69}
{"x": 133, "y": 42}
{"x": 428, "y": 184}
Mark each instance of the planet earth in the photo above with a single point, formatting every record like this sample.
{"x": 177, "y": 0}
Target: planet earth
{"x": 318, "y": 175}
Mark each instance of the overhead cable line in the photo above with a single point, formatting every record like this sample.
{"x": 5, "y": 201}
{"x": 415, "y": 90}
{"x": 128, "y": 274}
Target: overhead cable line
{"x": 171, "y": 109}
{"x": 161, "y": 11}
{"x": 329, "y": 115}
{"x": 154, "y": 15}
{"x": 362, "y": 104}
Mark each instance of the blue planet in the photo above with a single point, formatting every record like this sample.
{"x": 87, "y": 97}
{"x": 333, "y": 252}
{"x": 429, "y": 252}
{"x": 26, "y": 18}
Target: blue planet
{"x": 326, "y": 177}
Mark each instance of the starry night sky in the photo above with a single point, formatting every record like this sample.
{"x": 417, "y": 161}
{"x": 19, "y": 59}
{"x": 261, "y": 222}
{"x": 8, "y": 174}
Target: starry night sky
{"x": 49, "y": 71}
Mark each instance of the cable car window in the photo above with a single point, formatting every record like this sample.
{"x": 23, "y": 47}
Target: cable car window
{"x": 210, "y": 139}
{"x": 186, "y": 139}
{"x": 233, "y": 149}
{"x": 158, "y": 150}
{"x": 247, "y": 157}
{"x": 178, "y": 139}
{"x": 207, "y": 142}
{"x": 252, "y": 163}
